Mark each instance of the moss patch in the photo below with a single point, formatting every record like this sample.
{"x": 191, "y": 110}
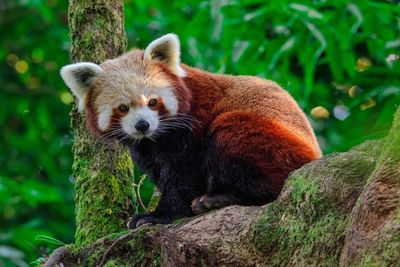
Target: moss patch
{"x": 135, "y": 250}
{"x": 307, "y": 225}
{"x": 103, "y": 195}
{"x": 305, "y": 234}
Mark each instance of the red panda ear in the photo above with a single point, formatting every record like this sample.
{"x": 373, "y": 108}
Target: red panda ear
{"x": 166, "y": 49}
{"x": 79, "y": 77}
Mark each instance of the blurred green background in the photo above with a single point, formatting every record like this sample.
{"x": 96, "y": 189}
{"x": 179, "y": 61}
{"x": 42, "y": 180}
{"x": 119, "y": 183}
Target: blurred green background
{"x": 337, "y": 58}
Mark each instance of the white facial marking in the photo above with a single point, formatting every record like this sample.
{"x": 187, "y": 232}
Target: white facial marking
{"x": 81, "y": 103}
{"x": 104, "y": 118}
{"x": 129, "y": 121}
{"x": 170, "y": 101}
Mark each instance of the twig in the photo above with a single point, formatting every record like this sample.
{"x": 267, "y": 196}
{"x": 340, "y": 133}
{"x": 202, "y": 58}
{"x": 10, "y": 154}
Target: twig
{"x": 119, "y": 239}
{"x": 142, "y": 178}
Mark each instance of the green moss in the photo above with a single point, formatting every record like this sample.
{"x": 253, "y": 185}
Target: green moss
{"x": 124, "y": 163}
{"x": 113, "y": 264}
{"x": 137, "y": 251}
{"x": 157, "y": 260}
{"x": 87, "y": 40}
{"x": 305, "y": 192}
{"x": 101, "y": 23}
{"x": 117, "y": 235}
{"x": 178, "y": 221}
{"x": 302, "y": 188}
{"x": 133, "y": 250}
{"x": 102, "y": 193}
{"x": 305, "y": 226}
{"x": 294, "y": 237}
{"x": 368, "y": 261}
{"x": 115, "y": 187}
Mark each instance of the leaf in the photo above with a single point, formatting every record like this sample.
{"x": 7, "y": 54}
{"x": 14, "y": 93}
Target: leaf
{"x": 285, "y": 47}
{"x": 357, "y": 13}
{"x": 49, "y": 239}
{"x": 306, "y": 10}
{"x": 10, "y": 252}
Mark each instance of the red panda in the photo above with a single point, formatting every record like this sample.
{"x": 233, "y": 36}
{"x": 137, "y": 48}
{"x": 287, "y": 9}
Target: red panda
{"x": 206, "y": 140}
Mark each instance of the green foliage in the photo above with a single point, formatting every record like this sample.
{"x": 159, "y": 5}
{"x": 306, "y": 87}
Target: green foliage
{"x": 36, "y": 196}
{"x": 328, "y": 54}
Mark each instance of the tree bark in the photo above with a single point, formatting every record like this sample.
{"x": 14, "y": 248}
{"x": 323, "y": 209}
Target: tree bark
{"x": 103, "y": 172}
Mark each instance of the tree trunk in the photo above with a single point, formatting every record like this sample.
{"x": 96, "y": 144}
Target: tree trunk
{"x": 103, "y": 172}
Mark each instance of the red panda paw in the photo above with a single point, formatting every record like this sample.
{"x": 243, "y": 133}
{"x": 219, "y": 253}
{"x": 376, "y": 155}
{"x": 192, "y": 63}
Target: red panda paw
{"x": 205, "y": 203}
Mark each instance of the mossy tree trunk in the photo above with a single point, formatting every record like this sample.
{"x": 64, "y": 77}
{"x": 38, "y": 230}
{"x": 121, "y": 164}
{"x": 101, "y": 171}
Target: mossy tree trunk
{"x": 103, "y": 172}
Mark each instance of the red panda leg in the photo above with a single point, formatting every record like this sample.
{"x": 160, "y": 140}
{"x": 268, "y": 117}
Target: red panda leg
{"x": 248, "y": 159}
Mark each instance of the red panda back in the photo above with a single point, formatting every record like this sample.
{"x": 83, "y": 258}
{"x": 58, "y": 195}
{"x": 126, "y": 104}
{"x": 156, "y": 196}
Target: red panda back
{"x": 215, "y": 94}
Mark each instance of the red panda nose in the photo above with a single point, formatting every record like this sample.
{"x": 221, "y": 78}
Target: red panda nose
{"x": 142, "y": 126}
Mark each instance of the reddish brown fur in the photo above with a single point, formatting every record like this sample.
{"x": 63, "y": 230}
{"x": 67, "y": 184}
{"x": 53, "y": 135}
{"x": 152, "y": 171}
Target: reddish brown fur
{"x": 253, "y": 120}
{"x": 116, "y": 117}
{"x": 215, "y": 94}
{"x": 264, "y": 143}
{"x": 160, "y": 107}
{"x": 91, "y": 113}
{"x": 183, "y": 94}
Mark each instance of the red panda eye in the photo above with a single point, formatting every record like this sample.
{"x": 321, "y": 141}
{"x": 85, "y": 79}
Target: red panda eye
{"x": 152, "y": 102}
{"x": 123, "y": 108}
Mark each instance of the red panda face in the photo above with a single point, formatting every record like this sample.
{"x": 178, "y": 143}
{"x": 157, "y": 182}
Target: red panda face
{"x": 133, "y": 96}
{"x": 130, "y": 95}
